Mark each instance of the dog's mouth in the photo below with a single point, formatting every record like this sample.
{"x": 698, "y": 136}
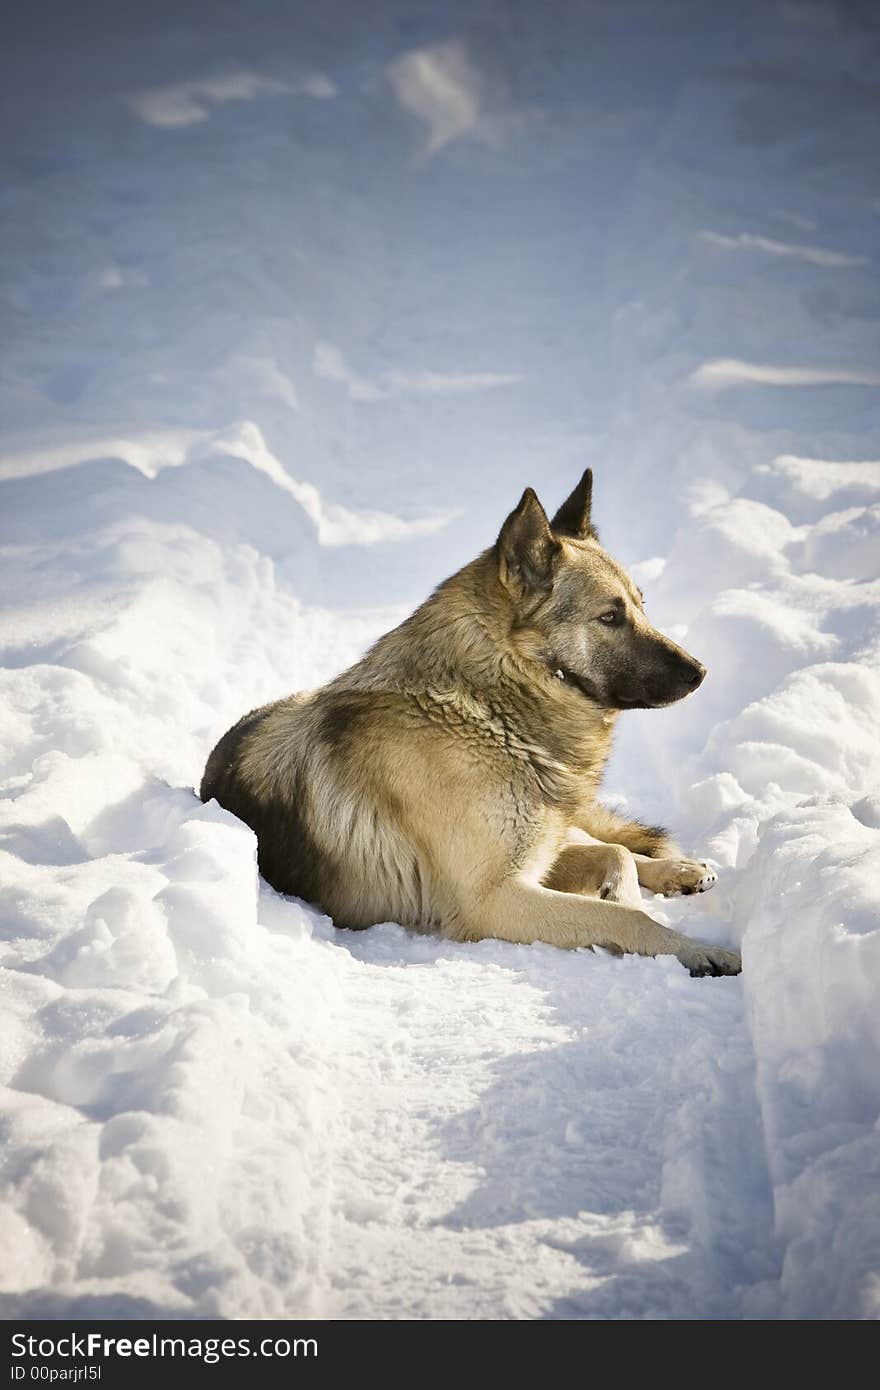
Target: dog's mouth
{"x": 654, "y": 699}
{"x": 661, "y": 686}
{"x": 648, "y": 699}
{"x": 586, "y": 687}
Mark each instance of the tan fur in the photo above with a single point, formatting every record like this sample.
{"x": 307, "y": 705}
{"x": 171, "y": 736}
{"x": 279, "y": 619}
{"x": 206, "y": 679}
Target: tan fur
{"x": 448, "y": 780}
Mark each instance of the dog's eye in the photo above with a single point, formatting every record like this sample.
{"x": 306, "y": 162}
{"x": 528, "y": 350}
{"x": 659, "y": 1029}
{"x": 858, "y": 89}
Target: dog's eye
{"x": 610, "y": 618}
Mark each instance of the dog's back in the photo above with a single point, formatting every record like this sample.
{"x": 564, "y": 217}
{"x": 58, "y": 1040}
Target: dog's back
{"x": 301, "y": 774}
{"x": 353, "y": 789}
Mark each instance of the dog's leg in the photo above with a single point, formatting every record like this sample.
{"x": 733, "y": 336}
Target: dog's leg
{"x": 596, "y": 870}
{"x": 660, "y": 864}
{"x": 523, "y": 911}
{"x": 671, "y": 876}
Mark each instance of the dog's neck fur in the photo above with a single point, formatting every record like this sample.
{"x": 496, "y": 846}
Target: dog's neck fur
{"x": 489, "y": 651}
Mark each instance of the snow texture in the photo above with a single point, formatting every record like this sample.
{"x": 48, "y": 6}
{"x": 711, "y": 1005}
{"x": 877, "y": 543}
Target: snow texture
{"x": 296, "y": 301}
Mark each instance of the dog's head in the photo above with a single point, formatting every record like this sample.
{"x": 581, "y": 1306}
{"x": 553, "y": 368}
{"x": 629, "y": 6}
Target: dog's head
{"x": 578, "y": 613}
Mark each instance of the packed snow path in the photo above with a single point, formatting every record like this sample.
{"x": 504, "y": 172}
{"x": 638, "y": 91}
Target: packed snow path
{"x": 295, "y": 306}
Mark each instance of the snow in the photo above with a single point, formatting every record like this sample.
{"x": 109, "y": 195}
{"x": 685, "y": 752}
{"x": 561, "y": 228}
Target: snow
{"x": 295, "y": 307}
{"x": 724, "y": 372}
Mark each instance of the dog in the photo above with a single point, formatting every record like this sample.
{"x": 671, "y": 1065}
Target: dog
{"x": 448, "y": 780}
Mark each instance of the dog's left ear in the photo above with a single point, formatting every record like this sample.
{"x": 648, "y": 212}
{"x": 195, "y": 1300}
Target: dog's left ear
{"x": 573, "y": 517}
{"x": 527, "y": 549}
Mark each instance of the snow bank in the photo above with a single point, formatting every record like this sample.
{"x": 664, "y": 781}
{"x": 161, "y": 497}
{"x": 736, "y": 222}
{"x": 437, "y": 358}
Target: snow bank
{"x": 794, "y": 816}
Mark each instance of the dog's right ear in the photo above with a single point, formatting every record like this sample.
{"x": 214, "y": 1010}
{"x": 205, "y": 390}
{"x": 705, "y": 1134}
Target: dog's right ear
{"x": 527, "y": 549}
{"x": 573, "y": 517}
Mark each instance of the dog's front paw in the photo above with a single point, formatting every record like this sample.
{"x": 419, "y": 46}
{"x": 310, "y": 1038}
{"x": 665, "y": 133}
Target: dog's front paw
{"x": 673, "y": 876}
{"x": 701, "y": 959}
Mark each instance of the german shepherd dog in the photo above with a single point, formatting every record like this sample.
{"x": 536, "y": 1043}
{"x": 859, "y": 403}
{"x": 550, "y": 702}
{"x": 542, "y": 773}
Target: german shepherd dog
{"x": 448, "y": 781}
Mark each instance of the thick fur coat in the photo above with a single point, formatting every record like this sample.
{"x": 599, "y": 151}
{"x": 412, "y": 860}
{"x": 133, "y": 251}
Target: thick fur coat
{"x": 449, "y": 780}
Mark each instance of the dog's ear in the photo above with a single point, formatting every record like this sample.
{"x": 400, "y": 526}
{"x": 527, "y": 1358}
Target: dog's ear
{"x": 573, "y": 517}
{"x": 527, "y": 549}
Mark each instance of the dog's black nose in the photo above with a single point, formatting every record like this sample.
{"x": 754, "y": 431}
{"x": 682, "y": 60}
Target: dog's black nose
{"x": 689, "y": 672}
{"x": 695, "y": 675}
